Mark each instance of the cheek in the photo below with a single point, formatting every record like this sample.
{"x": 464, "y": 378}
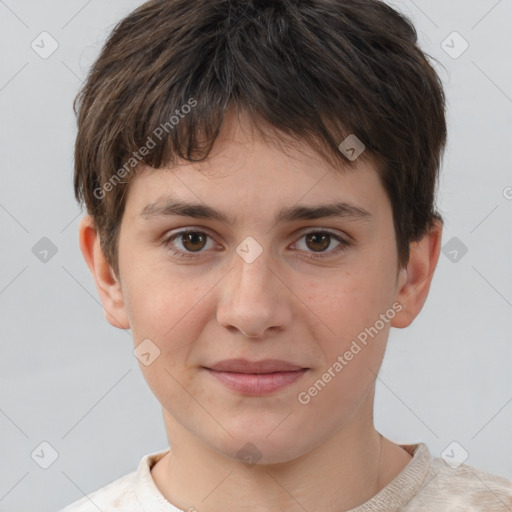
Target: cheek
{"x": 160, "y": 304}
{"x": 166, "y": 310}
{"x": 345, "y": 310}
{"x": 344, "y": 303}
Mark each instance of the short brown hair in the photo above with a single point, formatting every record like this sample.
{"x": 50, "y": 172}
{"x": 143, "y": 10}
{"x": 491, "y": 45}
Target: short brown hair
{"x": 316, "y": 70}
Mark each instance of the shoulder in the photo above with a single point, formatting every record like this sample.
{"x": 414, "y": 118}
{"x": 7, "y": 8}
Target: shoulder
{"x": 466, "y": 487}
{"x": 126, "y": 493}
{"x": 116, "y": 496}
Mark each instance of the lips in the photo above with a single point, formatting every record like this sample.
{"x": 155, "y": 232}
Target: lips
{"x": 264, "y": 366}
{"x": 255, "y": 378}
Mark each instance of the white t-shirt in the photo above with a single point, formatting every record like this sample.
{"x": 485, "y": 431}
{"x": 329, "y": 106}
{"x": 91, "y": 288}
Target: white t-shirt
{"x": 426, "y": 484}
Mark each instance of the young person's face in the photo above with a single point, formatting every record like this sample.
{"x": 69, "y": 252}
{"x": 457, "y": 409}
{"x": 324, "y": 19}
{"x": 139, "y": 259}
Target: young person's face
{"x": 211, "y": 301}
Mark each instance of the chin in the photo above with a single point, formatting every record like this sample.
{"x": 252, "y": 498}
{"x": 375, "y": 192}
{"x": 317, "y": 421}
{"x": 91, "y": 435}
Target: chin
{"x": 256, "y": 448}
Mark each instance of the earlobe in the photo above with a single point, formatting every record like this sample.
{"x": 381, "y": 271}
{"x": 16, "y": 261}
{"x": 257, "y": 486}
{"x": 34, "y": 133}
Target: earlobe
{"x": 414, "y": 281}
{"x": 107, "y": 284}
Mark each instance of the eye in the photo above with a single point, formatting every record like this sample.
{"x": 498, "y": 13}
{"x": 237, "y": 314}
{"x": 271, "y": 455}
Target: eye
{"x": 191, "y": 241}
{"x": 321, "y": 240}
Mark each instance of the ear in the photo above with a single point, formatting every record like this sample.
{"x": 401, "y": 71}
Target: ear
{"x": 107, "y": 284}
{"x": 415, "y": 279}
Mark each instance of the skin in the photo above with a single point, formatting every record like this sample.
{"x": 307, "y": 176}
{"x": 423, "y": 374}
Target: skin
{"x": 323, "y": 455}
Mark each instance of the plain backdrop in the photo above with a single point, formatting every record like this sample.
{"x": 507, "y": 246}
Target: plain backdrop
{"x": 71, "y": 380}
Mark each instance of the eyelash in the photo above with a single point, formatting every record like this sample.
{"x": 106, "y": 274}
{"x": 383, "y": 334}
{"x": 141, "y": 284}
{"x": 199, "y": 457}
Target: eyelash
{"x": 344, "y": 244}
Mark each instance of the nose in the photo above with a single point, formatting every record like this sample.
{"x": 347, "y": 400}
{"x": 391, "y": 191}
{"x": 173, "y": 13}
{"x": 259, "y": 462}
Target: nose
{"x": 253, "y": 298}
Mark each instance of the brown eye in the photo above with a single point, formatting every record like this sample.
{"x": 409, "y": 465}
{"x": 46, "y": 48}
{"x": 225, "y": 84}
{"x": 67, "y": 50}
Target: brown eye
{"x": 194, "y": 240}
{"x": 185, "y": 243}
{"x": 318, "y": 241}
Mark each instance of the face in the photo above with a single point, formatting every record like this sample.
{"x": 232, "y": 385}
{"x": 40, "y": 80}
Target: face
{"x": 299, "y": 289}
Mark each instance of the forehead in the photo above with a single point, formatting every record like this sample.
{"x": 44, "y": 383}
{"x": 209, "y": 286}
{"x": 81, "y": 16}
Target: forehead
{"x": 252, "y": 172}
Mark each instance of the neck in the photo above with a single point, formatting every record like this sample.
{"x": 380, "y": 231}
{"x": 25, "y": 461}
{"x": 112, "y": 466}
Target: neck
{"x": 342, "y": 473}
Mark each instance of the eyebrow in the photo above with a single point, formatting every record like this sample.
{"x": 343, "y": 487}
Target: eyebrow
{"x": 174, "y": 207}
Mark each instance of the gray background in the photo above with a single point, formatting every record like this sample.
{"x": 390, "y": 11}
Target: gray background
{"x": 70, "y": 379}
